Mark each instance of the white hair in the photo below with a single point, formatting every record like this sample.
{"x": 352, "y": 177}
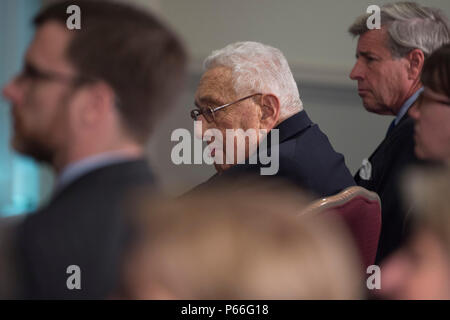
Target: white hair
{"x": 259, "y": 68}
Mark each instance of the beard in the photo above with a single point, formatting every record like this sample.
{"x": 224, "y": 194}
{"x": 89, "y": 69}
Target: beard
{"x": 30, "y": 144}
{"x": 41, "y": 142}
{"x": 33, "y": 147}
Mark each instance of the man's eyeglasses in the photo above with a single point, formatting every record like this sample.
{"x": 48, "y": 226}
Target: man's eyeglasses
{"x": 209, "y": 112}
{"x": 32, "y": 73}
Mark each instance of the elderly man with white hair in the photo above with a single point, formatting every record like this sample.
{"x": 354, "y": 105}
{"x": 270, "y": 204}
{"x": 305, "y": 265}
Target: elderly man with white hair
{"x": 249, "y": 86}
{"x": 388, "y": 65}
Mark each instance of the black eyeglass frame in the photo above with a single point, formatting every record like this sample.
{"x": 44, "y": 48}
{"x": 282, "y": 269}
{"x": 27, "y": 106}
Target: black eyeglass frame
{"x": 33, "y": 73}
{"x": 209, "y": 113}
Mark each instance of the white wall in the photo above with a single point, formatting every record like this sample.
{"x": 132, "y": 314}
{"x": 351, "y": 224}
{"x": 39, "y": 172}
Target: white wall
{"x": 309, "y": 32}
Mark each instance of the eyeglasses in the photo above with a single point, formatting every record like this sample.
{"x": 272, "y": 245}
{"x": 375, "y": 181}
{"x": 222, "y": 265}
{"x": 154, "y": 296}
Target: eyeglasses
{"x": 209, "y": 113}
{"x": 32, "y": 73}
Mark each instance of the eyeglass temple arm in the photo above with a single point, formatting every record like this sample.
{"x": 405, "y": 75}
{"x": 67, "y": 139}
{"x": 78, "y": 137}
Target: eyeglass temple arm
{"x": 231, "y": 103}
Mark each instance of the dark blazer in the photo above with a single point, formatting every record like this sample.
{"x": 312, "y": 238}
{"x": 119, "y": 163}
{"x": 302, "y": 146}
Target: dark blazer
{"x": 85, "y": 224}
{"x": 306, "y": 159}
{"x": 388, "y": 164}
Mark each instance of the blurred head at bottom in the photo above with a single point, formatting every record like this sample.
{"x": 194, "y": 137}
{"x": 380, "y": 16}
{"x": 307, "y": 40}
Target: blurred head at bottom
{"x": 251, "y": 243}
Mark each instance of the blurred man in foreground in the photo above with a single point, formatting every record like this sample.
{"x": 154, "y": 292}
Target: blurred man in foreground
{"x": 85, "y": 103}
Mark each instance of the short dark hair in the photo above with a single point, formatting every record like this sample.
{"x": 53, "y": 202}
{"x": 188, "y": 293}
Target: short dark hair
{"x": 142, "y": 60}
{"x": 436, "y": 71}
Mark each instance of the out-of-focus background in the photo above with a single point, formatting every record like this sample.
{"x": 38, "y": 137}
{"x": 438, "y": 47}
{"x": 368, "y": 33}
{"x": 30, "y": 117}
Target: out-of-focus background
{"x": 311, "y": 33}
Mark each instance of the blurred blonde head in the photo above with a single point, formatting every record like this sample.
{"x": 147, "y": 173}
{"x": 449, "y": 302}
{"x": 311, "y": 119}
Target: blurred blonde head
{"x": 246, "y": 244}
{"x": 421, "y": 270}
{"x": 428, "y": 191}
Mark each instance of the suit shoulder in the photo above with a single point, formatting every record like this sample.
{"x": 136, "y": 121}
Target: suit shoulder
{"x": 313, "y": 145}
{"x": 9, "y": 278}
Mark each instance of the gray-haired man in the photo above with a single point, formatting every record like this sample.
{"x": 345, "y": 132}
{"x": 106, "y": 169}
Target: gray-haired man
{"x": 388, "y": 66}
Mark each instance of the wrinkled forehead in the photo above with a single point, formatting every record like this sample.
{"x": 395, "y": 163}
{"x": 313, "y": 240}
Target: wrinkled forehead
{"x": 216, "y": 84}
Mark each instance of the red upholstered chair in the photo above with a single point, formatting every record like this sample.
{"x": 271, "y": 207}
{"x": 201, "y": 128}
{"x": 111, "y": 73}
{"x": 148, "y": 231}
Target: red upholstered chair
{"x": 361, "y": 211}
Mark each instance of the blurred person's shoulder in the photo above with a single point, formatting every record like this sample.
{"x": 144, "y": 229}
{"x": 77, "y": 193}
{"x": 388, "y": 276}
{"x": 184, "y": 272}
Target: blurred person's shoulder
{"x": 9, "y": 285}
{"x": 8, "y": 227}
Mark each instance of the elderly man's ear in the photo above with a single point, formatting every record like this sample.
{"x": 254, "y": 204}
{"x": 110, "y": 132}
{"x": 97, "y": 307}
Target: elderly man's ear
{"x": 270, "y": 111}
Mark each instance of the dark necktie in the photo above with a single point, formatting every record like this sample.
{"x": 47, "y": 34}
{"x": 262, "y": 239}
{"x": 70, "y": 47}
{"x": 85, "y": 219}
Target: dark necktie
{"x": 391, "y": 127}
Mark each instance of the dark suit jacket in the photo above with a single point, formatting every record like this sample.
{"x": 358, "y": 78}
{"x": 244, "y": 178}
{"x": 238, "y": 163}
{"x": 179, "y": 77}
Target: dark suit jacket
{"x": 85, "y": 224}
{"x": 306, "y": 159}
{"x": 389, "y": 161}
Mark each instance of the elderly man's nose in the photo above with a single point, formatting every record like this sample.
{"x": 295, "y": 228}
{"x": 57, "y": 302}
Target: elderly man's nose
{"x": 200, "y": 126}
